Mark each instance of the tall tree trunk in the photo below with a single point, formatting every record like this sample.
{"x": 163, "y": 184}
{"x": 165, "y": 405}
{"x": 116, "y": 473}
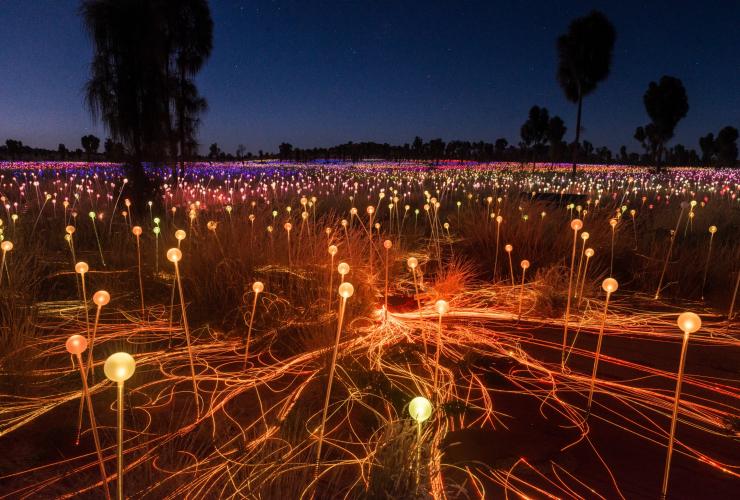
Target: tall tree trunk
{"x": 184, "y": 149}
{"x": 576, "y": 144}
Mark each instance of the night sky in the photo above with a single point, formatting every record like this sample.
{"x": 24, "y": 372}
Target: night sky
{"x": 321, "y": 73}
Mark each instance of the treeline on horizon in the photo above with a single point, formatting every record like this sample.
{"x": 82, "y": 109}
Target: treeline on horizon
{"x": 546, "y": 147}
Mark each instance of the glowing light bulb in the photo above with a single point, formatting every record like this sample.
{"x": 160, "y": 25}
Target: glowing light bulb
{"x": 333, "y": 250}
{"x": 585, "y": 235}
{"x": 6, "y": 246}
{"x": 442, "y": 306}
{"x": 81, "y": 267}
{"x": 346, "y": 290}
{"x": 387, "y": 244}
{"x": 68, "y": 229}
{"x": 119, "y": 367}
{"x": 101, "y": 298}
{"x": 576, "y": 224}
{"x": 589, "y": 252}
{"x": 180, "y": 235}
{"x": 174, "y": 255}
{"x": 76, "y": 344}
{"x": 412, "y": 262}
{"x": 508, "y": 248}
{"x": 420, "y": 409}
{"x": 258, "y": 287}
{"x": 610, "y": 285}
{"x": 136, "y": 230}
{"x": 343, "y": 268}
{"x": 525, "y": 264}
{"x": 689, "y": 322}
{"x": 712, "y": 229}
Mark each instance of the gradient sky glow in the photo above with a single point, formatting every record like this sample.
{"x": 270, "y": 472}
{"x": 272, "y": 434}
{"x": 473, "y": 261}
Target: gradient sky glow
{"x": 317, "y": 73}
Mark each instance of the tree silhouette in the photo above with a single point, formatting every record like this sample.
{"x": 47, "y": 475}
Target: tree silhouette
{"x": 534, "y": 130}
{"x": 145, "y": 53}
{"x": 62, "y": 151}
{"x": 706, "y": 144}
{"x": 500, "y": 145}
{"x": 666, "y": 104}
{"x": 437, "y": 148}
{"x": 539, "y": 130}
{"x": 584, "y": 60}
{"x": 214, "y": 152}
{"x": 418, "y": 147}
{"x": 726, "y": 147}
{"x": 555, "y": 132}
{"x": 285, "y": 150}
{"x": 190, "y": 39}
{"x": 14, "y": 148}
{"x": 90, "y": 144}
{"x": 240, "y": 150}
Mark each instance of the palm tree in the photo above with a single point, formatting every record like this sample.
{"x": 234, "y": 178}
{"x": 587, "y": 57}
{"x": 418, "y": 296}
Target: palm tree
{"x": 584, "y": 60}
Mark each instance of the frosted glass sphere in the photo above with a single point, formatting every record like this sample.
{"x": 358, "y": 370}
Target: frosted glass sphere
{"x": 174, "y": 255}
{"x": 81, "y": 267}
{"x": 689, "y": 322}
{"x": 119, "y": 367}
{"x": 576, "y": 224}
{"x": 346, "y": 290}
{"x": 258, "y": 287}
{"x": 101, "y": 298}
{"x": 610, "y": 285}
{"x": 420, "y": 409}
{"x": 343, "y": 268}
{"x": 76, "y": 344}
{"x": 442, "y": 306}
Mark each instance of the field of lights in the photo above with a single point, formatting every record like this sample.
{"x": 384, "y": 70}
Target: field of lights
{"x": 369, "y": 330}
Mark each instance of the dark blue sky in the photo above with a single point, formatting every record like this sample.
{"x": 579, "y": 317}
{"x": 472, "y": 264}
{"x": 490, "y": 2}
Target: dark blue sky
{"x": 320, "y": 73}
